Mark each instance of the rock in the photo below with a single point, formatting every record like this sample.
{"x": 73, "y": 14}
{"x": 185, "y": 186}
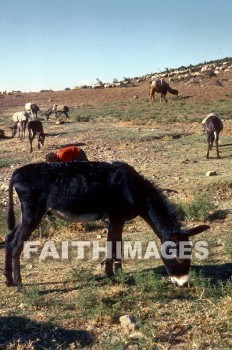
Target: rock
{"x": 4, "y": 188}
{"x": 211, "y": 173}
{"x": 133, "y": 347}
{"x": 218, "y": 82}
{"x": 136, "y": 335}
{"x": 128, "y": 322}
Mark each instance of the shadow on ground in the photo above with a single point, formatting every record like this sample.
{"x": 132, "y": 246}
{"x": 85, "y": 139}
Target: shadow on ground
{"x": 23, "y": 331}
{"x": 215, "y": 273}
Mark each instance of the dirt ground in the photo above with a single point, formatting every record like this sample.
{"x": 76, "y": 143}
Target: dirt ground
{"x": 176, "y": 165}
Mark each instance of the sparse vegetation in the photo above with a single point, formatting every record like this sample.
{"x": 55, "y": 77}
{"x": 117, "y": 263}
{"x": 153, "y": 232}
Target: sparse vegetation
{"x": 70, "y": 303}
{"x": 139, "y": 111}
{"x": 196, "y": 210}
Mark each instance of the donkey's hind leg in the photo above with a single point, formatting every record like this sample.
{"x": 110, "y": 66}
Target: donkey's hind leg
{"x": 8, "y": 258}
{"x": 24, "y": 231}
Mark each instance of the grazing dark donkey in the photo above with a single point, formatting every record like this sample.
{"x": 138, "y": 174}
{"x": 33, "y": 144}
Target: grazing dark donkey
{"x": 35, "y": 127}
{"x": 35, "y": 109}
{"x": 212, "y": 126}
{"x": 32, "y": 109}
{"x": 87, "y": 191}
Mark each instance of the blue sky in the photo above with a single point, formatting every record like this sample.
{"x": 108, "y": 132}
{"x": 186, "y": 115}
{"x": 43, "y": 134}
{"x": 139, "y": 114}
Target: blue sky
{"x": 54, "y": 44}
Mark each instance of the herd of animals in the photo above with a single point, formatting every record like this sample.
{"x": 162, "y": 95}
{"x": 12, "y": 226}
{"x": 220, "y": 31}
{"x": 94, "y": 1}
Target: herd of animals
{"x": 89, "y": 191}
{"x": 212, "y": 124}
{"x": 28, "y": 119}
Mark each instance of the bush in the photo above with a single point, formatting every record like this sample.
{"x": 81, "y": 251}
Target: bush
{"x": 198, "y": 209}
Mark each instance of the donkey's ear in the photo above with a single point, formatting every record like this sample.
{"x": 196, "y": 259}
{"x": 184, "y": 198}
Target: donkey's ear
{"x": 195, "y": 230}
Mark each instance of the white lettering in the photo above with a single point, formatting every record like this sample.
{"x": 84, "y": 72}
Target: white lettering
{"x": 168, "y": 250}
{"x": 49, "y": 250}
{"x": 80, "y": 248}
{"x": 29, "y": 247}
{"x": 185, "y": 249}
{"x": 152, "y": 251}
{"x": 107, "y": 249}
{"x": 131, "y": 252}
{"x": 202, "y": 251}
{"x": 64, "y": 250}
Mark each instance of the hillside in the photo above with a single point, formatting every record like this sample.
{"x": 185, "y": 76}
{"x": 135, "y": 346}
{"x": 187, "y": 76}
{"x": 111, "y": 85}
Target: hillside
{"x": 207, "y": 85}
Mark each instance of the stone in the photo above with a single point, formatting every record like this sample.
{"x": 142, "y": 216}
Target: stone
{"x": 211, "y": 173}
{"x": 128, "y": 322}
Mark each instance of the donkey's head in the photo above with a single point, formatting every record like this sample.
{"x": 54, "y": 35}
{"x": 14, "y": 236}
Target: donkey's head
{"x": 14, "y": 129}
{"x": 176, "y": 255}
{"x": 41, "y": 140}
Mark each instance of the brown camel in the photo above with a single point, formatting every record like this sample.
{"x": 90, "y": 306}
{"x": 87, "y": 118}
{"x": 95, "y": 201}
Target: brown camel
{"x": 162, "y": 88}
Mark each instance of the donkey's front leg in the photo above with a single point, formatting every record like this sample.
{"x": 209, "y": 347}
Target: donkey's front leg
{"x": 114, "y": 260}
{"x": 17, "y": 273}
{"x": 208, "y": 148}
{"x": 216, "y": 143}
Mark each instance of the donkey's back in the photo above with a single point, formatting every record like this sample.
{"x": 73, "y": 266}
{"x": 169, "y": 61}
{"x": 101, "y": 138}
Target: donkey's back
{"x": 80, "y": 191}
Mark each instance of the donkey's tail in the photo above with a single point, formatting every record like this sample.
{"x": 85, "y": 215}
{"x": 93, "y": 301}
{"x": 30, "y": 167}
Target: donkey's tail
{"x": 10, "y": 213}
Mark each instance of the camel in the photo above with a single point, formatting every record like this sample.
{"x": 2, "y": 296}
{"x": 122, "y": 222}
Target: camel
{"x": 160, "y": 86}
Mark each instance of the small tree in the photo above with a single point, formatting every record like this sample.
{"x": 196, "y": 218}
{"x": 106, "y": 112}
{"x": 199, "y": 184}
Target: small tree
{"x": 99, "y": 81}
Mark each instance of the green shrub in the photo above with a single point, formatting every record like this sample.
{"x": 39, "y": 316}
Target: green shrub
{"x": 198, "y": 209}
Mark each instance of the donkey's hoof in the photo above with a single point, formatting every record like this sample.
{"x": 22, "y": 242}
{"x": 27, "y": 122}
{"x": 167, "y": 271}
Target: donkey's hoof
{"x": 19, "y": 287}
{"x": 10, "y": 283}
{"x": 117, "y": 267}
{"x": 109, "y": 268}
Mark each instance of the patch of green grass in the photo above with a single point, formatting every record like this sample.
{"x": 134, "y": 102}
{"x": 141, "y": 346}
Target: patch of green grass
{"x": 82, "y": 275}
{"x": 207, "y": 288}
{"x": 32, "y": 297}
{"x": 141, "y": 112}
{"x": 7, "y": 162}
{"x": 198, "y": 209}
{"x": 228, "y": 246}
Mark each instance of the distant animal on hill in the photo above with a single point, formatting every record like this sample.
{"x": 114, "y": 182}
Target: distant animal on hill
{"x": 32, "y": 109}
{"x": 89, "y": 191}
{"x": 162, "y": 87}
{"x": 35, "y": 128}
{"x": 57, "y": 109}
{"x": 212, "y": 125}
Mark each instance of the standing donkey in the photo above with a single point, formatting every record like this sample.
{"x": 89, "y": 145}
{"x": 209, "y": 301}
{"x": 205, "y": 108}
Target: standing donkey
{"x": 212, "y": 125}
